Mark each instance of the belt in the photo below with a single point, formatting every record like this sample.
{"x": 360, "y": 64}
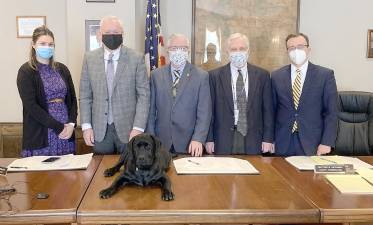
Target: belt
{"x": 56, "y": 100}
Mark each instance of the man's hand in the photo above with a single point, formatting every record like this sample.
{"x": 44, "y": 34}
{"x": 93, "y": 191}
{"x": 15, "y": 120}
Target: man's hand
{"x": 195, "y": 148}
{"x": 210, "y": 147}
{"x": 66, "y": 132}
{"x": 268, "y": 147}
{"x": 88, "y": 136}
{"x": 323, "y": 149}
{"x": 133, "y": 133}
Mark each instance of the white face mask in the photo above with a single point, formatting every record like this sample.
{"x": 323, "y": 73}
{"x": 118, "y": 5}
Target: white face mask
{"x": 178, "y": 58}
{"x": 297, "y": 56}
{"x": 239, "y": 59}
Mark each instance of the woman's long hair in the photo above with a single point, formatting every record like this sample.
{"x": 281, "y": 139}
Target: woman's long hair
{"x": 38, "y": 32}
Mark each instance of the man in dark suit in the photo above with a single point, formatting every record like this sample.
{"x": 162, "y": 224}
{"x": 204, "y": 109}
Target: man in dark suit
{"x": 180, "y": 103}
{"x": 242, "y": 121}
{"x": 305, "y": 103}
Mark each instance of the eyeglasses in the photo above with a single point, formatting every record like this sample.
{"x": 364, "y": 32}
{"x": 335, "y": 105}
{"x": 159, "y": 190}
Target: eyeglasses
{"x": 45, "y": 44}
{"x": 180, "y": 48}
{"x": 300, "y": 47}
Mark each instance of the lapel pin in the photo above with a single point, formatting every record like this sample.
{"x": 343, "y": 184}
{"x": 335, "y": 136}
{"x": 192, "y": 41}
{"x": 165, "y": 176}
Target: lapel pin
{"x": 187, "y": 74}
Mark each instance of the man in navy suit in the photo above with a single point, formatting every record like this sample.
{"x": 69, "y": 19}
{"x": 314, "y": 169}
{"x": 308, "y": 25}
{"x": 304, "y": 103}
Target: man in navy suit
{"x": 305, "y": 103}
{"x": 242, "y": 120}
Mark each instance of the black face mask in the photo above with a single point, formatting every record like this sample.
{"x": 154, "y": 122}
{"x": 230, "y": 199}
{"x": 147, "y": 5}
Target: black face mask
{"x": 112, "y": 41}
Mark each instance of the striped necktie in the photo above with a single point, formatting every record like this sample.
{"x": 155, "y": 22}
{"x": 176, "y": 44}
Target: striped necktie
{"x": 296, "y": 96}
{"x": 241, "y": 104}
{"x": 175, "y": 82}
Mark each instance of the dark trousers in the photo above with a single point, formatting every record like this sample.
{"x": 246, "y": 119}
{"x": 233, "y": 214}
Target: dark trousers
{"x": 295, "y": 146}
{"x": 111, "y": 143}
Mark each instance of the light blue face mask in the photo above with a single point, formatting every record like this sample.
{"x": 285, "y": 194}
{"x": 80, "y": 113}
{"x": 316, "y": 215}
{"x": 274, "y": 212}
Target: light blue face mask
{"x": 45, "y": 52}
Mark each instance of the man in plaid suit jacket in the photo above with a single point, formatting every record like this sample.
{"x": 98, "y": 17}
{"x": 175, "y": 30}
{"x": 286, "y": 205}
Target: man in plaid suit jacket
{"x": 114, "y": 92}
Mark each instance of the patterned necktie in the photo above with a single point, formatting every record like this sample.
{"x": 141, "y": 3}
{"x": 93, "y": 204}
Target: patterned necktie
{"x": 110, "y": 81}
{"x": 175, "y": 82}
{"x": 296, "y": 96}
{"x": 241, "y": 104}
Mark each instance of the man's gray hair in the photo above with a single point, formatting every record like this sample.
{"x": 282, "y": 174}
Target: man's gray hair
{"x": 173, "y": 36}
{"x": 111, "y": 18}
{"x": 238, "y": 35}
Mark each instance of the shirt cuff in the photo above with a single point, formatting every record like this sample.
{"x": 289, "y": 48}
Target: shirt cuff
{"x": 86, "y": 126}
{"x": 139, "y": 129}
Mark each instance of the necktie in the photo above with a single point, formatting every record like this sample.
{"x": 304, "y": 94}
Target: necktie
{"x": 175, "y": 82}
{"x": 296, "y": 96}
{"x": 110, "y": 81}
{"x": 241, "y": 104}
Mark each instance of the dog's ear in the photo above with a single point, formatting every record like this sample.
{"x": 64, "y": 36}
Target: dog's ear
{"x": 130, "y": 153}
{"x": 157, "y": 143}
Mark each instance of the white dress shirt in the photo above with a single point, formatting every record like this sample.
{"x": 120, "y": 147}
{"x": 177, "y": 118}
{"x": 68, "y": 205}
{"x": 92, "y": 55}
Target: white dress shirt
{"x": 234, "y": 73}
{"x": 303, "y": 72}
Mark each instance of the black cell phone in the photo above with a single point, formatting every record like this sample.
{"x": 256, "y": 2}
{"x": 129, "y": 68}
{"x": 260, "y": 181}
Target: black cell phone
{"x": 50, "y": 159}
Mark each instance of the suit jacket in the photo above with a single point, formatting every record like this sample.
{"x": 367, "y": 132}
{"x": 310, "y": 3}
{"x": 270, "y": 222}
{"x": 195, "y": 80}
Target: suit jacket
{"x": 130, "y": 98}
{"x": 187, "y": 117}
{"x": 317, "y": 109}
{"x": 260, "y": 120}
{"x": 36, "y": 119}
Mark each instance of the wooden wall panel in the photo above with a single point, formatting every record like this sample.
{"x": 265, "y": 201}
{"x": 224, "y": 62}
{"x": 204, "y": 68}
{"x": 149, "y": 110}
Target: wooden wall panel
{"x": 11, "y": 140}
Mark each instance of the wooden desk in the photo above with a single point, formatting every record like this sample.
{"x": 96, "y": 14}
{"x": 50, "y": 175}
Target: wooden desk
{"x": 264, "y": 198}
{"x": 334, "y": 206}
{"x": 65, "y": 189}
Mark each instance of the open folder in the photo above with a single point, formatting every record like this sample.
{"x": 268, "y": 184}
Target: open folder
{"x": 65, "y": 162}
{"x": 351, "y": 184}
{"x": 213, "y": 165}
{"x": 309, "y": 162}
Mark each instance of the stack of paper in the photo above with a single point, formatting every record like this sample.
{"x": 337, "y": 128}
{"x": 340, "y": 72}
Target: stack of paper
{"x": 66, "y": 162}
{"x": 350, "y": 184}
{"x": 213, "y": 165}
{"x": 309, "y": 162}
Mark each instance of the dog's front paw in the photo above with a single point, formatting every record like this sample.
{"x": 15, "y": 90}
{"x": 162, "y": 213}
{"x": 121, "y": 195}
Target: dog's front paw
{"x": 167, "y": 195}
{"x": 110, "y": 172}
{"x": 107, "y": 193}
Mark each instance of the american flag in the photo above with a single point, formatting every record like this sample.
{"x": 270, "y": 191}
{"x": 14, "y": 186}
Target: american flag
{"x": 154, "y": 46}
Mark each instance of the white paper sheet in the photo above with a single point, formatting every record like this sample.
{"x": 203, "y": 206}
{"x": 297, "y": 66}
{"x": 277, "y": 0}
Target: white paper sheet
{"x": 66, "y": 162}
{"x": 214, "y": 165}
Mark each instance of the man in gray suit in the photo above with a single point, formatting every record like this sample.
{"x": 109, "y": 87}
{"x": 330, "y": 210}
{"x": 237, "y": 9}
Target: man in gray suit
{"x": 114, "y": 92}
{"x": 180, "y": 105}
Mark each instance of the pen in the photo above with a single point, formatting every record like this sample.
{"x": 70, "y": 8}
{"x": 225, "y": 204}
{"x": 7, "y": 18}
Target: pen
{"x": 197, "y": 163}
{"x": 18, "y": 167}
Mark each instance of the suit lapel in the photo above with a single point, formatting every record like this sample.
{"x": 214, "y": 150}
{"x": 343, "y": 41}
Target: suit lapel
{"x": 99, "y": 60}
{"x": 288, "y": 85}
{"x": 121, "y": 66}
{"x": 253, "y": 80}
{"x": 184, "y": 80}
{"x": 167, "y": 79}
{"x": 307, "y": 83}
{"x": 225, "y": 79}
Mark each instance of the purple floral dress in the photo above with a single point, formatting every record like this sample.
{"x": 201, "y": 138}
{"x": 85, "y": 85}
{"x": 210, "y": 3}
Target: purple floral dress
{"x": 54, "y": 87}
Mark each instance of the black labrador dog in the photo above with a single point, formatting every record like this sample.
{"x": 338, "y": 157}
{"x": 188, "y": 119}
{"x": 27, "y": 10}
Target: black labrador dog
{"x": 145, "y": 163}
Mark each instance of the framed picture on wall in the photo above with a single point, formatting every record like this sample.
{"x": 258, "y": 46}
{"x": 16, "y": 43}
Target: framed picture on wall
{"x": 91, "y": 29}
{"x": 265, "y": 23}
{"x": 27, "y": 24}
{"x": 370, "y": 44}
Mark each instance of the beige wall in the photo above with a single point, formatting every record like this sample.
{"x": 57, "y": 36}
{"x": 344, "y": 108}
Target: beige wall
{"x": 337, "y": 30}
{"x": 15, "y": 50}
{"x": 338, "y": 37}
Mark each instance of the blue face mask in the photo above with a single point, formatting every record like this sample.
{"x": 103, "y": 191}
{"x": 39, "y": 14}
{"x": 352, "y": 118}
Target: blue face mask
{"x": 45, "y": 52}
